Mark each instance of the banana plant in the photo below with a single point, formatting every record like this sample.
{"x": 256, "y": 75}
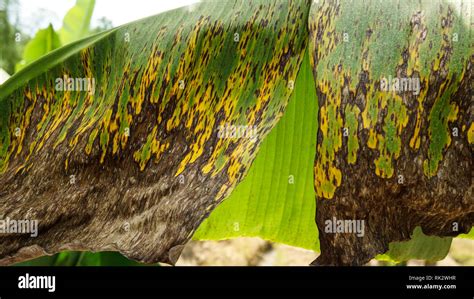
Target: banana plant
{"x": 129, "y": 139}
{"x": 75, "y": 26}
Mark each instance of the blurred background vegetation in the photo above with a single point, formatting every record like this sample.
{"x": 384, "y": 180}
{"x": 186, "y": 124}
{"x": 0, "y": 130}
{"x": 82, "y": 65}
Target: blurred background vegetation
{"x": 10, "y": 48}
{"x": 20, "y": 45}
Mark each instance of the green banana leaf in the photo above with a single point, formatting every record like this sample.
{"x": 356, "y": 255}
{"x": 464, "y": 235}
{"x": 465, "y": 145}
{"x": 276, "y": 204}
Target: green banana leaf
{"x": 420, "y": 247}
{"x": 45, "y": 41}
{"x": 76, "y": 23}
{"x": 469, "y": 235}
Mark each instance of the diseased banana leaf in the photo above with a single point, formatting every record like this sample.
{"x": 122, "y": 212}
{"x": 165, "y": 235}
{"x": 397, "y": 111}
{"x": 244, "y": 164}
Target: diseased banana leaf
{"x": 393, "y": 157}
{"x": 132, "y": 161}
{"x": 142, "y": 159}
{"x": 285, "y": 214}
{"x": 275, "y": 201}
